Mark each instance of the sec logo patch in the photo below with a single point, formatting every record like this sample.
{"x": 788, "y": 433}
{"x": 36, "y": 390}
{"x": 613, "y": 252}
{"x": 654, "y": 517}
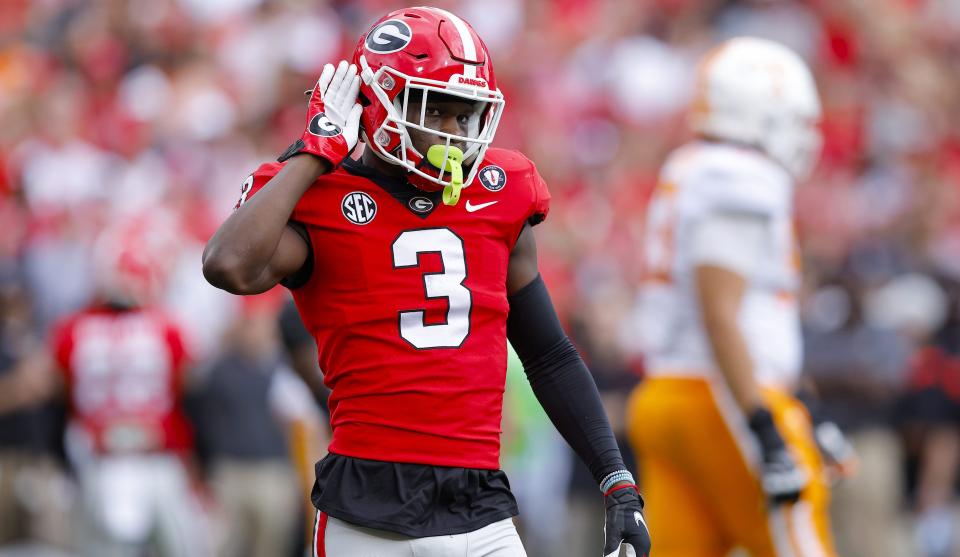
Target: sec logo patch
{"x": 358, "y": 207}
{"x": 492, "y": 177}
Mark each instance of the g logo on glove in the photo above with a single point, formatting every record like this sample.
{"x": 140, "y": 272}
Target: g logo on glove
{"x": 322, "y": 126}
{"x": 333, "y": 116}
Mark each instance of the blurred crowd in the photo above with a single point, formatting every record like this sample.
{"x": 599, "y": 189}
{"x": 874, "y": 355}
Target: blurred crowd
{"x": 116, "y": 109}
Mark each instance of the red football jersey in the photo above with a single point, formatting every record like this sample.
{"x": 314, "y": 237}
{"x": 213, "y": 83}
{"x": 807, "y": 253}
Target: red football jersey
{"x": 407, "y": 302}
{"x": 123, "y": 372}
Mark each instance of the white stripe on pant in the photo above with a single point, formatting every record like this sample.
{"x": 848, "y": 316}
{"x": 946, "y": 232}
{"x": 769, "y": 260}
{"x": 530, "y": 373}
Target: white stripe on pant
{"x": 342, "y": 539}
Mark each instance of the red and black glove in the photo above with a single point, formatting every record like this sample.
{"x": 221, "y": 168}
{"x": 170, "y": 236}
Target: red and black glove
{"x": 624, "y": 523}
{"x": 333, "y": 116}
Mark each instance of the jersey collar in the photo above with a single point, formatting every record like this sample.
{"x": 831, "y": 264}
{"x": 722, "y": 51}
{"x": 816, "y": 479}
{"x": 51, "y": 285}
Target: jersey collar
{"x": 398, "y": 188}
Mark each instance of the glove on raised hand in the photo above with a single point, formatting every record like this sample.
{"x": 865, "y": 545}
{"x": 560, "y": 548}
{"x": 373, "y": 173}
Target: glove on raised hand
{"x": 333, "y": 116}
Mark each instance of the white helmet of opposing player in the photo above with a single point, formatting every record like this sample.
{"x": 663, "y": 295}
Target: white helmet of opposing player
{"x": 760, "y": 93}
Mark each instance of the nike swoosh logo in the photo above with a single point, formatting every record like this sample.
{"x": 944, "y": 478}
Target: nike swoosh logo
{"x": 472, "y": 208}
{"x": 639, "y": 518}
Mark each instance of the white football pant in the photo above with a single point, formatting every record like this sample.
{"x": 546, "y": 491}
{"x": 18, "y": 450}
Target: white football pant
{"x": 133, "y": 499}
{"x": 336, "y": 538}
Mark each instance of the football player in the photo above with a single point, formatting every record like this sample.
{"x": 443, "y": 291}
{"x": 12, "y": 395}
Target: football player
{"x": 122, "y": 365}
{"x": 412, "y": 267}
{"x": 728, "y": 452}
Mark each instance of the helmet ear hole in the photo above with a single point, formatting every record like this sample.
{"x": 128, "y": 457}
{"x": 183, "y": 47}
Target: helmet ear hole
{"x": 364, "y": 101}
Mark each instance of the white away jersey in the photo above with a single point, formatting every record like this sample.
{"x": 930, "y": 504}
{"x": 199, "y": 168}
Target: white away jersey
{"x": 701, "y": 180}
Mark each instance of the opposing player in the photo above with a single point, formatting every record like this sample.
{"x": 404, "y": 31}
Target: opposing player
{"x": 727, "y": 450}
{"x": 123, "y": 365}
{"x": 411, "y": 268}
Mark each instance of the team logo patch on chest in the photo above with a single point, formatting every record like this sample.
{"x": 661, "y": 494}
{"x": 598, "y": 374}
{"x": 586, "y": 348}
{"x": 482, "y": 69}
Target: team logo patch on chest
{"x": 420, "y": 205}
{"x": 358, "y": 207}
{"x": 492, "y": 177}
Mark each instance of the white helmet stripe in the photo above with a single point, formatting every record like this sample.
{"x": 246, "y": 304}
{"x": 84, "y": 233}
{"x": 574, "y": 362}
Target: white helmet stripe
{"x": 466, "y": 39}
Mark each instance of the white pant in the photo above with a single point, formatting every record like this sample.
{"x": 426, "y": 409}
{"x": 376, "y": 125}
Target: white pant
{"x": 336, "y": 538}
{"x": 131, "y": 499}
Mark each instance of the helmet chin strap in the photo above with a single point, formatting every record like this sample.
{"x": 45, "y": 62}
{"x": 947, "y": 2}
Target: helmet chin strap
{"x": 366, "y": 74}
{"x": 449, "y": 159}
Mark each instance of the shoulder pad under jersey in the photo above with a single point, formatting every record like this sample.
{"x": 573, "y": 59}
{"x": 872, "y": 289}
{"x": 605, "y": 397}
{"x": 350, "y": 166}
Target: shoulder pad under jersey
{"x": 503, "y": 169}
{"x": 730, "y": 179}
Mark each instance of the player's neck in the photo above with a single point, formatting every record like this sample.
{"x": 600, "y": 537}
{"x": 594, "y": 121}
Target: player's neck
{"x": 371, "y": 160}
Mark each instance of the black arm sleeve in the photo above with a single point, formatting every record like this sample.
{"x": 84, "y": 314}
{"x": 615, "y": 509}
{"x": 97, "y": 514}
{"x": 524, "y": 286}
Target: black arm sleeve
{"x": 560, "y": 380}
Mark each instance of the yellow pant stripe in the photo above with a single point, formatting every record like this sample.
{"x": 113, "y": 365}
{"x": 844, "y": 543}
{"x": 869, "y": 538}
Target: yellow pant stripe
{"x": 698, "y": 469}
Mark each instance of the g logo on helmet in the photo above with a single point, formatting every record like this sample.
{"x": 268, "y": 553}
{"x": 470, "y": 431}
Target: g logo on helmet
{"x": 322, "y": 126}
{"x": 390, "y": 36}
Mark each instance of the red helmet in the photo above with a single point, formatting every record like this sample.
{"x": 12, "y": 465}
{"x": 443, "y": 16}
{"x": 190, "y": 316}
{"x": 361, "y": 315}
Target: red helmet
{"x": 133, "y": 258}
{"x": 425, "y": 50}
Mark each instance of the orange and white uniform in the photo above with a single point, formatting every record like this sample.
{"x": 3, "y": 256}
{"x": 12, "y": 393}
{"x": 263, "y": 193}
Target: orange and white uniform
{"x": 721, "y": 204}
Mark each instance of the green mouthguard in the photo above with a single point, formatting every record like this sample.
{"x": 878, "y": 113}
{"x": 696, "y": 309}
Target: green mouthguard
{"x": 451, "y": 192}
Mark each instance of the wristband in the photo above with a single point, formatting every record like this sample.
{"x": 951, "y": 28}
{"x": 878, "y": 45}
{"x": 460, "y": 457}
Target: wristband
{"x": 615, "y": 477}
{"x": 617, "y": 488}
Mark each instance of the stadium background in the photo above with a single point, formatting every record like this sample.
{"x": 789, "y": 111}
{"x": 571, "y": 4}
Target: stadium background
{"x": 111, "y": 108}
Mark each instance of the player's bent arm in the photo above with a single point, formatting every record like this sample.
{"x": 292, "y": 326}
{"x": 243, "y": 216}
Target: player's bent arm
{"x": 726, "y": 248}
{"x": 558, "y": 375}
{"x": 255, "y": 248}
{"x": 720, "y": 292}
{"x": 566, "y": 390}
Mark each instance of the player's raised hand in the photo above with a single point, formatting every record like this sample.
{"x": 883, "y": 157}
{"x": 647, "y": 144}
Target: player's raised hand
{"x": 781, "y": 476}
{"x": 624, "y": 523}
{"x": 333, "y": 116}
{"x": 337, "y": 90}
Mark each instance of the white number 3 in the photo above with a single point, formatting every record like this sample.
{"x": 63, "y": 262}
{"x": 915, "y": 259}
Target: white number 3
{"x": 446, "y": 284}
{"x": 245, "y": 191}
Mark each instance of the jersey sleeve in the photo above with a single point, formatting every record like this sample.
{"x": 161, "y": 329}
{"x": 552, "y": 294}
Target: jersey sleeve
{"x": 264, "y": 173}
{"x": 728, "y": 191}
{"x": 533, "y": 197}
{"x": 255, "y": 182}
{"x": 733, "y": 241}
{"x": 540, "y": 205}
